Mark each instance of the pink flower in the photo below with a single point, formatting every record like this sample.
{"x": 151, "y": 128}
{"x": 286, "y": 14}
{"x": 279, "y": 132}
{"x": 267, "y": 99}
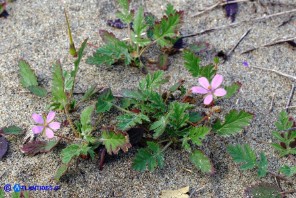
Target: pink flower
{"x": 45, "y": 124}
{"x": 210, "y": 90}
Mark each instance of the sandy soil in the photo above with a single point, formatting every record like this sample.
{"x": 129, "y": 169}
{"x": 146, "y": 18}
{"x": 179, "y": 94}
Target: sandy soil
{"x": 36, "y": 31}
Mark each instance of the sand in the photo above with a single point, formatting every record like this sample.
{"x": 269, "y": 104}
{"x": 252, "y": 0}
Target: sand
{"x": 36, "y": 31}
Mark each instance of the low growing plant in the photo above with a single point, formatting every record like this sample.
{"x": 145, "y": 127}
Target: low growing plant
{"x": 246, "y": 156}
{"x": 144, "y": 30}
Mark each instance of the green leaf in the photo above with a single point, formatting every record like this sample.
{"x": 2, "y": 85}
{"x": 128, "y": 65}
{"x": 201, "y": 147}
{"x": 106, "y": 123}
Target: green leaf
{"x": 125, "y": 15}
{"x": 113, "y": 142}
{"x": 38, "y": 91}
{"x": 127, "y": 121}
{"x": 288, "y": 171}
{"x": 170, "y": 10}
{"x": 108, "y": 37}
{"x": 262, "y": 165}
{"x": 61, "y": 171}
{"x": 158, "y": 127}
{"x": 278, "y": 136}
{"x": 167, "y": 27}
{"x": 232, "y": 89}
{"x": 85, "y": 119}
{"x": 28, "y": 77}
{"x": 280, "y": 149}
{"x": 105, "y": 101}
{"x": 139, "y": 27}
{"x": 150, "y": 156}
{"x": 234, "y": 123}
{"x": 134, "y": 94}
{"x": 15, "y": 194}
{"x": 243, "y": 154}
{"x": 2, "y": 194}
{"x": 12, "y": 130}
{"x": 77, "y": 61}
{"x": 70, "y": 152}
{"x": 57, "y": 90}
{"x": 89, "y": 93}
{"x": 111, "y": 53}
{"x": 208, "y": 71}
{"x": 283, "y": 122}
{"x": 178, "y": 115}
{"x": 194, "y": 117}
{"x": 197, "y": 134}
{"x": 192, "y": 63}
{"x": 263, "y": 190}
{"x": 152, "y": 81}
{"x": 202, "y": 162}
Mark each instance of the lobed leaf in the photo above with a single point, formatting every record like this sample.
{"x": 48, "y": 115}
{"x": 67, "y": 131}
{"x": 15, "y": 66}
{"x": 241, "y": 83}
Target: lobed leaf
{"x": 232, "y": 89}
{"x": 166, "y": 27}
{"x": 105, "y": 101}
{"x": 61, "y": 171}
{"x": 127, "y": 121}
{"x": 283, "y": 122}
{"x": 158, "y": 127}
{"x": 288, "y": 171}
{"x": 262, "y": 165}
{"x": 71, "y": 151}
{"x": 202, "y": 162}
{"x": 125, "y": 15}
{"x": 197, "y": 134}
{"x": 139, "y": 26}
{"x": 192, "y": 63}
{"x": 243, "y": 154}
{"x": 152, "y": 81}
{"x": 178, "y": 115}
{"x": 150, "y": 157}
{"x": 113, "y": 142}
{"x": 234, "y": 123}
{"x": 77, "y": 61}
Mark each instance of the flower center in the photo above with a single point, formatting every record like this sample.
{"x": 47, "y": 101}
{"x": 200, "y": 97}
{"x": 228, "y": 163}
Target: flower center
{"x": 209, "y": 87}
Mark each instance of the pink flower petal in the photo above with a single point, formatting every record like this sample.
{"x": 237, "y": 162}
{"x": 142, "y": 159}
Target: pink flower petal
{"x": 199, "y": 90}
{"x": 50, "y": 116}
{"x": 204, "y": 82}
{"x": 37, "y": 118}
{"x": 37, "y": 129}
{"x": 208, "y": 99}
{"x": 220, "y": 92}
{"x": 49, "y": 133}
{"x": 217, "y": 81}
{"x": 54, "y": 125}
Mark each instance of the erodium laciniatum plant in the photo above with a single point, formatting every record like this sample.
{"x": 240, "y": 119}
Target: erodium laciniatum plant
{"x": 143, "y": 31}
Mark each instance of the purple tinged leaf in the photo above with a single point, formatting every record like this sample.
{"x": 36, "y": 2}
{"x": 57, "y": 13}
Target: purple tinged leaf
{"x": 264, "y": 190}
{"x": 35, "y": 147}
{"x": 231, "y": 10}
{"x": 3, "y": 146}
{"x": 163, "y": 62}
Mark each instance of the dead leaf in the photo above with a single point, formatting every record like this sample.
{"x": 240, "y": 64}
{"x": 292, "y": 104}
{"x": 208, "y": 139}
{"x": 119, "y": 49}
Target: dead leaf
{"x": 179, "y": 193}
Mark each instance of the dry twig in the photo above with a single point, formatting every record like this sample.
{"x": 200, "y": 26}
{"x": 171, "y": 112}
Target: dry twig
{"x": 241, "y": 22}
{"x": 290, "y": 97}
{"x": 218, "y": 4}
{"x": 275, "y": 71}
{"x": 274, "y": 42}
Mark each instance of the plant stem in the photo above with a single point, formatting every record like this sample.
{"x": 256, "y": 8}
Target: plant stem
{"x": 166, "y": 146}
{"x": 63, "y": 137}
{"x": 70, "y": 122}
{"x": 129, "y": 33}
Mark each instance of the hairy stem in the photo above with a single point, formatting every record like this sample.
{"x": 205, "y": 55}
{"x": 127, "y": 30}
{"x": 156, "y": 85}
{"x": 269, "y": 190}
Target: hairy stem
{"x": 70, "y": 121}
{"x": 121, "y": 109}
{"x": 166, "y": 146}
